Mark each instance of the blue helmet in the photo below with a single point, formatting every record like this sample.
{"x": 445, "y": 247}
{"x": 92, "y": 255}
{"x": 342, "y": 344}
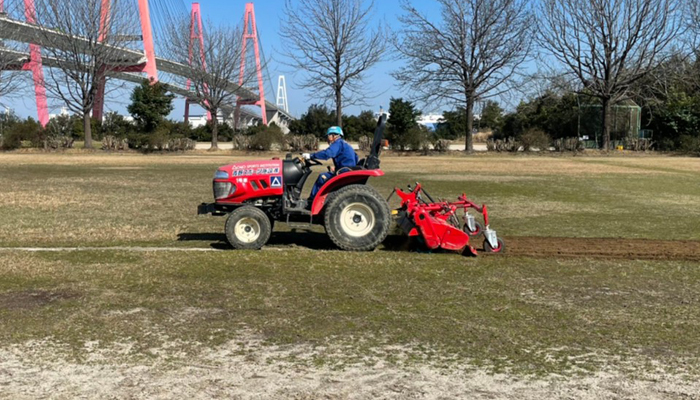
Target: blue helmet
{"x": 334, "y": 130}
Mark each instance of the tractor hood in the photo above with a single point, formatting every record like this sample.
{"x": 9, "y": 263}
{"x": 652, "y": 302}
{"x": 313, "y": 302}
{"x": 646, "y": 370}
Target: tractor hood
{"x": 240, "y": 182}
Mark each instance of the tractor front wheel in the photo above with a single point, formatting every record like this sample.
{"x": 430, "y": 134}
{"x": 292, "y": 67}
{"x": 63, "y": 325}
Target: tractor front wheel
{"x": 357, "y": 218}
{"x": 248, "y": 227}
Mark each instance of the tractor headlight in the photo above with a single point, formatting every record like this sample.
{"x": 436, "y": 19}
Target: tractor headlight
{"x": 220, "y": 174}
{"x": 223, "y": 189}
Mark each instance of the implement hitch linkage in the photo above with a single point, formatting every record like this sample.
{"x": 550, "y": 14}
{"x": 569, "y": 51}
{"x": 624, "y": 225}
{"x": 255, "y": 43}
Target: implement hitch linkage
{"x": 437, "y": 223}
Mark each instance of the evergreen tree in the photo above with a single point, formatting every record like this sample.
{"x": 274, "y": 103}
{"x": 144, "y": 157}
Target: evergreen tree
{"x": 150, "y": 104}
{"x": 402, "y": 127}
{"x": 315, "y": 121}
{"x": 355, "y": 126}
{"x": 491, "y": 116}
{"x": 402, "y": 117}
{"x": 452, "y": 125}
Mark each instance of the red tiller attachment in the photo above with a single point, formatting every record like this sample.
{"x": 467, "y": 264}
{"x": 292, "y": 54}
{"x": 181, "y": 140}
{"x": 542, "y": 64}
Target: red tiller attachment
{"x": 437, "y": 223}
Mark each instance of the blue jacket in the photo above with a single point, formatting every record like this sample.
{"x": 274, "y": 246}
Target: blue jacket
{"x": 341, "y": 152}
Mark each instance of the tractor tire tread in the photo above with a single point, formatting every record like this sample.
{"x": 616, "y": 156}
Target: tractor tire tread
{"x": 382, "y": 216}
{"x": 251, "y": 212}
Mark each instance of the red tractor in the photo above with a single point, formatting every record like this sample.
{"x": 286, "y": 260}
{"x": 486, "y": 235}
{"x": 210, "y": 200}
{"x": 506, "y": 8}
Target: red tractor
{"x": 255, "y": 194}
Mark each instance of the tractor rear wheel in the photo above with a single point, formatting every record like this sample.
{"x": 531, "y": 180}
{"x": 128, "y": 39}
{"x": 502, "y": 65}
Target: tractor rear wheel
{"x": 357, "y": 218}
{"x": 248, "y": 227}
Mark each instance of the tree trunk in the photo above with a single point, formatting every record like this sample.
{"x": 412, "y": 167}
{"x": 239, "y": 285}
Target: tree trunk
{"x": 87, "y": 128}
{"x": 214, "y": 130}
{"x": 606, "y": 124}
{"x": 469, "y": 145}
{"x": 338, "y": 109}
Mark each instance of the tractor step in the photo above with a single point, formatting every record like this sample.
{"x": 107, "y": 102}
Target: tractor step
{"x": 293, "y": 223}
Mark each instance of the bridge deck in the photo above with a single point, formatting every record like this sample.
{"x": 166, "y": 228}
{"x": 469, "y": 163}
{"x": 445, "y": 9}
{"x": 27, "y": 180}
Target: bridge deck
{"x": 17, "y": 59}
{"x": 20, "y": 31}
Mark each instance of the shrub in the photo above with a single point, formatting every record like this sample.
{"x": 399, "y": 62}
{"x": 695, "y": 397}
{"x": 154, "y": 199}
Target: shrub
{"x": 302, "y": 143}
{"x": 500, "y": 145}
{"x": 638, "y": 144}
{"x": 414, "y": 139}
{"x": 240, "y": 142}
{"x": 264, "y": 137}
{"x": 178, "y": 129}
{"x": 181, "y": 144}
{"x": 689, "y": 145}
{"x": 112, "y": 143}
{"x": 116, "y": 125}
{"x": 365, "y": 143}
{"x": 59, "y": 133}
{"x": 28, "y": 130}
{"x": 10, "y": 141}
{"x": 535, "y": 138}
{"x": 568, "y": 144}
{"x": 201, "y": 134}
{"x": 137, "y": 141}
{"x": 158, "y": 140}
{"x": 442, "y": 145}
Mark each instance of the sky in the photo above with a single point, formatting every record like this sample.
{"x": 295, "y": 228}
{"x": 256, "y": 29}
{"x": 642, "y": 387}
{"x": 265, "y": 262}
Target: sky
{"x": 269, "y": 17}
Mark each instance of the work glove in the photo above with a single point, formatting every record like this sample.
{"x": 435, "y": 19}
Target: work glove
{"x": 306, "y": 156}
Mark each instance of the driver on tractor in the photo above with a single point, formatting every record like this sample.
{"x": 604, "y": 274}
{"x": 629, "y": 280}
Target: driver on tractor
{"x": 339, "y": 150}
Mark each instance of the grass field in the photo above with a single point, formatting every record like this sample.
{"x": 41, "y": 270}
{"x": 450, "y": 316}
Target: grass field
{"x": 524, "y": 313}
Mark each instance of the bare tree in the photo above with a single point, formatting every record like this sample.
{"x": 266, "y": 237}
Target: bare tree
{"x": 12, "y": 59}
{"x": 9, "y": 79}
{"x": 693, "y": 20}
{"x": 332, "y": 42}
{"x": 83, "y": 45}
{"x": 473, "y": 53}
{"x": 214, "y": 68}
{"x": 608, "y": 45}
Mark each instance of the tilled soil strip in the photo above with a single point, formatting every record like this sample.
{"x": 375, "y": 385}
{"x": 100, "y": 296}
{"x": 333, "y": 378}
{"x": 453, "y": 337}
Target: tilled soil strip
{"x": 612, "y": 248}
{"x": 537, "y": 247}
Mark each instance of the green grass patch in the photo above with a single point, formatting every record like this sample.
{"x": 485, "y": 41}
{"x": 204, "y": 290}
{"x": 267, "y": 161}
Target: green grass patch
{"x": 151, "y": 200}
{"x": 528, "y": 315}
{"x": 505, "y": 313}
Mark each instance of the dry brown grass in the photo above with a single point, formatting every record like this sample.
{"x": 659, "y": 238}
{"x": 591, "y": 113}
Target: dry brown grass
{"x": 535, "y": 165}
{"x": 62, "y": 199}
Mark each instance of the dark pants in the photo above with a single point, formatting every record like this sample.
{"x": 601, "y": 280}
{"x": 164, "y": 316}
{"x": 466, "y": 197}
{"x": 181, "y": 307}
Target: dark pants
{"x": 322, "y": 179}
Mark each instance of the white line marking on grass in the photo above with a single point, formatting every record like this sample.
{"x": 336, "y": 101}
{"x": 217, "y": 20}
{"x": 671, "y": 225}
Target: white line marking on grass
{"x": 118, "y": 248}
{"x": 127, "y": 248}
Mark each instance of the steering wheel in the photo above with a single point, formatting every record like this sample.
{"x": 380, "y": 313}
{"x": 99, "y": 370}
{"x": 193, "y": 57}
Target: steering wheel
{"x": 310, "y": 162}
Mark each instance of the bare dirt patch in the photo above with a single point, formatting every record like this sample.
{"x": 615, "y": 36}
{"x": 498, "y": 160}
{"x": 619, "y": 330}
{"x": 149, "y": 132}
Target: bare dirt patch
{"x": 30, "y": 299}
{"x": 241, "y": 369}
{"x": 605, "y": 248}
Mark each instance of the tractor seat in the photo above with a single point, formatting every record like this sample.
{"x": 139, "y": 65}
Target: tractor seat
{"x": 348, "y": 169}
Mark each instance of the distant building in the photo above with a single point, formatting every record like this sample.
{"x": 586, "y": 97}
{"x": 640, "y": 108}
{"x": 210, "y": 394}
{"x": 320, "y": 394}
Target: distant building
{"x": 430, "y": 121}
{"x": 200, "y": 120}
{"x": 64, "y": 111}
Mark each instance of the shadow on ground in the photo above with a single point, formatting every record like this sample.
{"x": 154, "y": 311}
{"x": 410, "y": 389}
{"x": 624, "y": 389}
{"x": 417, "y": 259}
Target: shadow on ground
{"x": 294, "y": 238}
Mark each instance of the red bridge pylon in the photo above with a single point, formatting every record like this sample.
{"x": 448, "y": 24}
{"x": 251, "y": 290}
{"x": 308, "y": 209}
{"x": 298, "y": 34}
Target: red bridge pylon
{"x": 149, "y": 67}
{"x": 250, "y": 32}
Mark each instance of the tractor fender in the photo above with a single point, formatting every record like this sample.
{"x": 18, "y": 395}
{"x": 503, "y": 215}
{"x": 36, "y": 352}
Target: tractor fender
{"x": 341, "y": 180}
